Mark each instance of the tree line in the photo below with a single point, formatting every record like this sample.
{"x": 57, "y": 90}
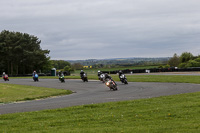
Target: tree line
{"x": 185, "y": 60}
{"x": 20, "y": 53}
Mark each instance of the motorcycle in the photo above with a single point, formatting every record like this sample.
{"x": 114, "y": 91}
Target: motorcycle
{"x": 102, "y": 77}
{"x": 5, "y": 77}
{"x": 62, "y": 79}
{"x": 35, "y": 78}
{"x": 123, "y": 79}
{"x": 84, "y": 77}
{"x": 111, "y": 84}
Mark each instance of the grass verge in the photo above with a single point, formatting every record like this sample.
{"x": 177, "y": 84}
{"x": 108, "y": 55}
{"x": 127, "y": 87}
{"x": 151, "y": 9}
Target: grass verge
{"x": 12, "y": 93}
{"x": 178, "y": 113}
{"x": 164, "y": 78}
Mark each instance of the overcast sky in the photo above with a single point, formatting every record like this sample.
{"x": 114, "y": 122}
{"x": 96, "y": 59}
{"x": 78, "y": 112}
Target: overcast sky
{"x": 98, "y": 29}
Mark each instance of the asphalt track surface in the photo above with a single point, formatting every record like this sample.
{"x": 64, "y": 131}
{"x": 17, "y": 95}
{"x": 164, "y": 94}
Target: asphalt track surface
{"x": 92, "y": 92}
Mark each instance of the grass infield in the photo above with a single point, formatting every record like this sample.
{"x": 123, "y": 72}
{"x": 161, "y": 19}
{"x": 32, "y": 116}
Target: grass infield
{"x": 12, "y": 93}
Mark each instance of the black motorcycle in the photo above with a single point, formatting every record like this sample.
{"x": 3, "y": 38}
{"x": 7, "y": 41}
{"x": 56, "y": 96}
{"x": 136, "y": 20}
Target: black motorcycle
{"x": 35, "y": 78}
{"x": 62, "y": 79}
{"x": 111, "y": 84}
{"x": 123, "y": 79}
{"x": 84, "y": 77}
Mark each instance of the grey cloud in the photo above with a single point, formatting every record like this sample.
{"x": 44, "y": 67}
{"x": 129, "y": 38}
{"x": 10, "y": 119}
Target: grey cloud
{"x": 85, "y": 29}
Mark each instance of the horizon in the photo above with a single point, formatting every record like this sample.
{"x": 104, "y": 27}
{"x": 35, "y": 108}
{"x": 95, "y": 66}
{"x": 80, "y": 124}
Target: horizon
{"x": 111, "y": 58}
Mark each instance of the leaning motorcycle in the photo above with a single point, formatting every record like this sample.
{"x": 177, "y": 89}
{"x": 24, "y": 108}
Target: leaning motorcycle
{"x": 62, "y": 79}
{"x": 84, "y": 77}
{"x": 5, "y": 77}
{"x": 102, "y": 77}
{"x": 111, "y": 84}
{"x": 35, "y": 78}
{"x": 123, "y": 79}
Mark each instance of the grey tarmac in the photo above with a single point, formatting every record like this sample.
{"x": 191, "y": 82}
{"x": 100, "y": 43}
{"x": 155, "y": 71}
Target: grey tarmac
{"x": 92, "y": 92}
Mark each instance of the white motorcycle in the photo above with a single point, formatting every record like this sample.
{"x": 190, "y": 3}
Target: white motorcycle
{"x": 123, "y": 79}
{"x": 102, "y": 77}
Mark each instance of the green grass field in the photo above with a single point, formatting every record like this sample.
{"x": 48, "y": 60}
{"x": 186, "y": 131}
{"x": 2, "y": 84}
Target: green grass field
{"x": 167, "y": 114}
{"x": 164, "y": 78}
{"x": 12, "y": 93}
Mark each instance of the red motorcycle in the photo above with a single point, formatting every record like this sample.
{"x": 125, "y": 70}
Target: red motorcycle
{"x": 5, "y": 77}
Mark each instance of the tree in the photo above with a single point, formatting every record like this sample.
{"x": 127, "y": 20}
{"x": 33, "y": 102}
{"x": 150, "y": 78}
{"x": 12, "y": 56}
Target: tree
{"x": 60, "y": 64}
{"x": 174, "y": 61}
{"x": 191, "y": 63}
{"x": 186, "y": 56}
{"x": 20, "y": 53}
{"x": 68, "y": 68}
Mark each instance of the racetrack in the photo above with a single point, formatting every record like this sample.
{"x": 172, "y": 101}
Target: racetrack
{"x": 92, "y": 92}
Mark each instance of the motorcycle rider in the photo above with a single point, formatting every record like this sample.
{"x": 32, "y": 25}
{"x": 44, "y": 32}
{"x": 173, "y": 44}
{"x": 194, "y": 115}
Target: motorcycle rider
{"x": 99, "y": 73}
{"x": 60, "y": 73}
{"x": 120, "y": 73}
{"x": 3, "y": 74}
{"x": 122, "y": 77}
{"x": 34, "y": 72}
{"x": 35, "y": 76}
{"x": 82, "y": 73}
{"x": 108, "y": 77}
{"x": 61, "y": 76}
{"x": 83, "y": 76}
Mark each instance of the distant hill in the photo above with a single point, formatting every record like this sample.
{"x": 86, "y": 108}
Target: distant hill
{"x": 122, "y": 61}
